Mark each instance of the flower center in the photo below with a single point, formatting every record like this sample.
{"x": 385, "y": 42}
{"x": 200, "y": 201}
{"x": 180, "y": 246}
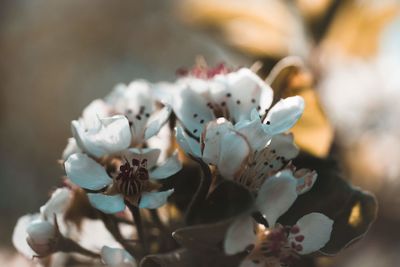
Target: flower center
{"x": 132, "y": 177}
{"x": 274, "y": 243}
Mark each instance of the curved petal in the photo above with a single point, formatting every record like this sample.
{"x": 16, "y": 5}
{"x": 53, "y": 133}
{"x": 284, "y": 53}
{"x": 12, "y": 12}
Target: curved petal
{"x": 156, "y": 121}
{"x": 71, "y": 148}
{"x": 107, "y": 203}
{"x": 19, "y": 235}
{"x": 192, "y": 110}
{"x": 86, "y": 172}
{"x": 188, "y": 144}
{"x": 171, "y": 166}
{"x": 150, "y": 154}
{"x": 284, "y": 145}
{"x": 311, "y": 232}
{"x": 240, "y": 235}
{"x": 276, "y": 195}
{"x": 244, "y": 91}
{"x": 57, "y": 203}
{"x": 111, "y": 135}
{"x": 41, "y": 232}
{"x": 96, "y": 109}
{"x": 284, "y": 115}
{"x": 233, "y": 155}
{"x": 136, "y": 102}
{"x": 154, "y": 200}
{"x": 305, "y": 180}
{"x": 116, "y": 256}
{"x": 211, "y": 139}
{"x": 253, "y": 131}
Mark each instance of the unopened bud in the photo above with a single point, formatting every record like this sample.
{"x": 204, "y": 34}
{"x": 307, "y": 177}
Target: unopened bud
{"x": 42, "y": 237}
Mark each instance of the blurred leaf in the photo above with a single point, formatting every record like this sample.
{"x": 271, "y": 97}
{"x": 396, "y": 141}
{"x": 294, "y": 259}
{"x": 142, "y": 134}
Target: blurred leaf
{"x": 227, "y": 200}
{"x": 356, "y": 28}
{"x": 207, "y": 237}
{"x": 259, "y": 28}
{"x": 313, "y": 133}
{"x": 352, "y": 210}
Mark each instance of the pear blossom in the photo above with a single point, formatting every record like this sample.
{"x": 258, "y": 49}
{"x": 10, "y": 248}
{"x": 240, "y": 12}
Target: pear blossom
{"x": 243, "y": 152}
{"x": 273, "y": 244}
{"x": 136, "y": 102}
{"x": 233, "y": 96}
{"x": 117, "y": 257}
{"x": 36, "y": 234}
{"x": 127, "y": 177}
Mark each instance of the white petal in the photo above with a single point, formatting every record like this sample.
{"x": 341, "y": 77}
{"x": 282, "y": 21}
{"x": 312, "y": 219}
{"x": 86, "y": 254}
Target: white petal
{"x": 284, "y": 115}
{"x": 163, "y": 141}
{"x": 41, "y": 232}
{"x": 107, "y": 203}
{"x": 233, "y": 155}
{"x": 96, "y": 109}
{"x": 156, "y": 121}
{"x": 111, "y": 135}
{"x": 316, "y": 230}
{"x": 86, "y": 172}
{"x": 71, "y": 148}
{"x": 276, "y": 195}
{"x": 116, "y": 256}
{"x": 240, "y": 235}
{"x": 57, "y": 203}
{"x": 154, "y": 200}
{"x": 212, "y": 137}
{"x": 19, "y": 235}
{"x": 246, "y": 91}
{"x": 150, "y": 154}
{"x": 188, "y": 144}
{"x": 168, "y": 168}
{"x": 253, "y": 131}
{"x": 305, "y": 180}
{"x": 192, "y": 110}
{"x": 284, "y": 145}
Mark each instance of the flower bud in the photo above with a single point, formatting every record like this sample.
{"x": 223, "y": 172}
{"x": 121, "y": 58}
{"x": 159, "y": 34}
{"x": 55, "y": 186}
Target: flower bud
{"x": 42, "y": 237}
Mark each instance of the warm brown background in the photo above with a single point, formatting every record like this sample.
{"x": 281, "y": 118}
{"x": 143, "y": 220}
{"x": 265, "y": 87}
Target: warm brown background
{"x": 57, "y": 56}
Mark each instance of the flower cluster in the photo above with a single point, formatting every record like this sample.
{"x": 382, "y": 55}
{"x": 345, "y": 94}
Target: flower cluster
{"x": 123, "y": 157}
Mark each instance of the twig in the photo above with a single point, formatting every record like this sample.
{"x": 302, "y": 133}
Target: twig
{"x": 111, "y": 224}
{"x": 139, "y": 226}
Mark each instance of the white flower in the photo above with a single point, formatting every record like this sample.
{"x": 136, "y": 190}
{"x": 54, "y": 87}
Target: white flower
{"x": 243, "y": 153}
{"x": 132, "y": 107}
{"x": 117, "y": 257}
{"x": 233, "y": 96}
{"x": 276, "y": 244}
{"x": 107, "y": 136}
{"x": 131, "y": 179}
{"x": 39, "y": 229}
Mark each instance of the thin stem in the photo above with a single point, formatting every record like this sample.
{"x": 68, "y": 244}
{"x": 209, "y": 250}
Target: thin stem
{"x": 139, "y": 226}
{"x": 201, "y": 193}
{"x": 111, "y": 224}
{"x": 68, "y": 245}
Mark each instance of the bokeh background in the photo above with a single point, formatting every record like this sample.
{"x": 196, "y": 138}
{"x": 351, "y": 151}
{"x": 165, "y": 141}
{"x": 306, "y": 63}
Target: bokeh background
{"x": 57, "y": 56}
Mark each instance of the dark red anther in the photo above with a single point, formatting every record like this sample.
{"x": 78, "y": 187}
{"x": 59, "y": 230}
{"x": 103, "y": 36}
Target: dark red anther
{"x": 135, "y": 162}
{"x": 299, "y": 238}
{"x": 295, "y": 229}
{"x": 299, "y": 247}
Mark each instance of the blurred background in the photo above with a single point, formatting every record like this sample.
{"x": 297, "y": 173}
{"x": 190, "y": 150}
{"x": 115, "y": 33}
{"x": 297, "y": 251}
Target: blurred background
{"x": 57, "y": 56}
